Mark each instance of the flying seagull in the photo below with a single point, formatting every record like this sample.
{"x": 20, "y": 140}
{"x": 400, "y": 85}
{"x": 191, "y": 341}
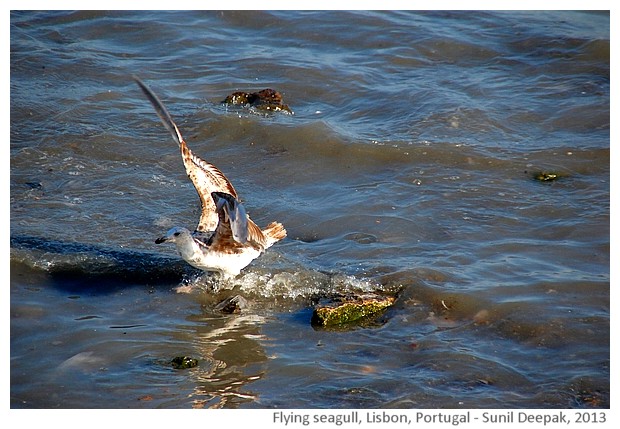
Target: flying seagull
{"x": 226, "y": 240}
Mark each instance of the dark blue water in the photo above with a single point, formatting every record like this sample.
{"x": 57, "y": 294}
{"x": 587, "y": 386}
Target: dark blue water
{"x": 408, "y": 167}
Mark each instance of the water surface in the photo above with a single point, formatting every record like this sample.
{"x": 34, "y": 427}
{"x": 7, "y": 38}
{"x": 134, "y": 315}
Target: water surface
{"x": 407, "y": 168}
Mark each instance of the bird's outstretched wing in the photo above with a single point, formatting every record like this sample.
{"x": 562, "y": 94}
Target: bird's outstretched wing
{"x": 206, "y": 177}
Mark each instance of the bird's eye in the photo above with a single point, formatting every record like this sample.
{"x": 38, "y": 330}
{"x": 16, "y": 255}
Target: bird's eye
{"x": 176, "y": 234}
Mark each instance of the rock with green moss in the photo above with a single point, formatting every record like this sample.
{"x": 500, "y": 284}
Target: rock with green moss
{"x": 343, "y": 311}
{"x": 267, "y": 100}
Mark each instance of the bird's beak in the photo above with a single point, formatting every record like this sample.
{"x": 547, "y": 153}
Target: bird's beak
{"x": 161, "y": 240}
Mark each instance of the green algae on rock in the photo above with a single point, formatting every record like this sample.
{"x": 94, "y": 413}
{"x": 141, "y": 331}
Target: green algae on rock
{"x": 346, "y": 310}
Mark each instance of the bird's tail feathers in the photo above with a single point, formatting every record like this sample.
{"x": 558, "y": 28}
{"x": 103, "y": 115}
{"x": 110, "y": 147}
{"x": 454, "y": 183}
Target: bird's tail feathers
{"x": 274, "y": 232}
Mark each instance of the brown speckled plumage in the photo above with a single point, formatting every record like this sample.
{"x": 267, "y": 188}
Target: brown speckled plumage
{"x": 213, "y": 246}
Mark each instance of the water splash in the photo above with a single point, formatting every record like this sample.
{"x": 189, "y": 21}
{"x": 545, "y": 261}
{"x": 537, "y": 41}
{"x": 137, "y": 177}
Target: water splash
{"x": 288, "y": 285}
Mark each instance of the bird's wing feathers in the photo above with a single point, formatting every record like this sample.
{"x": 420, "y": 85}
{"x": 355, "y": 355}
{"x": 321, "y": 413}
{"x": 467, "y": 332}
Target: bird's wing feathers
{"x": 231, "y": 211}
{"x": 206, "y": 177}
{"x": 162, "y": 112}
{"x": 255, "y": 235}
{"x": 234, "y": 223}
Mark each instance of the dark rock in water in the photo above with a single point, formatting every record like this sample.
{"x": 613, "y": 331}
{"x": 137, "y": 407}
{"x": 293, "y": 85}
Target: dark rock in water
{"x": 266, "y": 100}
{"x": 34, "y": 185}
{"x": 346, "y": 310}
{"x": 233, "y": 304}
{"x": 183, "y": 362}
{"x": 547, "y": 176}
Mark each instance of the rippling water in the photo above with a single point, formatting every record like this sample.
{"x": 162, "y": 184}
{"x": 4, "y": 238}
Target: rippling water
{"x": 408, "y": 167}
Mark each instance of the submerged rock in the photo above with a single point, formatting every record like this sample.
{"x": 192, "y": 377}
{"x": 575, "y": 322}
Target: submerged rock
{"x": 268, "y": 100}
{"x": 234, "y": 304}
{"x": 342, "y": 311}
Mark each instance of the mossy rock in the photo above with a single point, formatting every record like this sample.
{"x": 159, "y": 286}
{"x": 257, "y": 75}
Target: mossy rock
{"x": 268, "y": 100}
{"x": 183, "y": 362}
{"x": 344, "y": 311}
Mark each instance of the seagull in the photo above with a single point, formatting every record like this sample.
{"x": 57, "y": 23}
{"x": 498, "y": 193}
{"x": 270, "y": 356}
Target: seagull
{"x": 226, "y": 240}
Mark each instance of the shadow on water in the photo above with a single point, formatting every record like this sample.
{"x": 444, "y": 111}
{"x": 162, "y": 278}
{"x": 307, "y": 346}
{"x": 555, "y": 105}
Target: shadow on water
{"x": 74, "y": 267}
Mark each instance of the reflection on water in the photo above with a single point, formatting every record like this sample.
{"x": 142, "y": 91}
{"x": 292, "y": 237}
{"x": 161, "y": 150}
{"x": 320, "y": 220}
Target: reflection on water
{"x": 412, "y": 166}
